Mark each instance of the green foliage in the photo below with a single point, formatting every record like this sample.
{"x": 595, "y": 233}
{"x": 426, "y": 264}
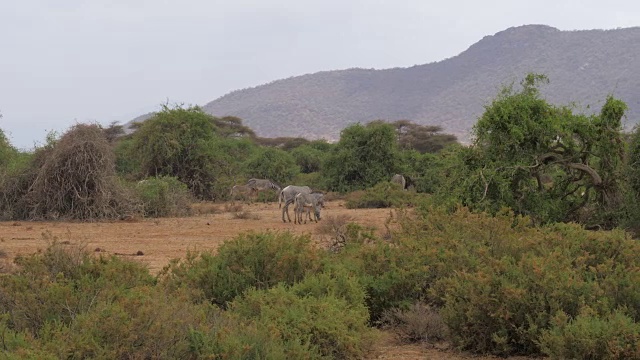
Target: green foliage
{"x": 127, "y": 161}
{"x": 312, "y": 180}
{"x": 228, "y": 157}
{"x": 250, "y": 260}
{"x": 62, "y": 282}
{"x": 7, "y": 152}
{"x": 164, "y": 196}
{"x": 140, "y": 323}
{"x": 589, "y": 336}
{"x": 364, "y": 156}
{"x": 176, "y": 142}
{"x": 500, "y": 281}
{"x": 383, "y": 195}
{"x": 274, "y": 164}
{"x": 542, "y": 160}
{"x": 232, "y": 127}
{"x": 393, "y": 275}
{"x": 326, "y": 326}
{"x": 308, "y": 158}
{"x": 422, "y": 138}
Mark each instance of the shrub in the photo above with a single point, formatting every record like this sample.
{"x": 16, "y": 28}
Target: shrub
{"x": 62, "y": 282}
{"x": 141, "y": 323}
{"x": 249, "y": 260}
{"x": 164, "y": 196}
{"x": 418, "y": 323}
{"x": 500, "y": 281}
{"x": 382, "y": 195}
{"x": 326, "y": 325}
{"x": 393, "y": 276}
{"x": 589, "y": 336}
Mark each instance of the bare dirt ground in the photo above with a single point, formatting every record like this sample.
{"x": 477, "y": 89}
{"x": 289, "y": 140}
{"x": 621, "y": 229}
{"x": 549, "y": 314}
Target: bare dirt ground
{"x": 156, "y": 241}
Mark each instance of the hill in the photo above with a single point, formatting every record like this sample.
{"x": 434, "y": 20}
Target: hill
{"x": 583, "y": 67}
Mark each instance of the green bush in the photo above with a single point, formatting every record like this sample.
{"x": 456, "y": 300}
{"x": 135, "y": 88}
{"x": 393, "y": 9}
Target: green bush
{"x": 312, "y": 180}
{"x": 393, "y": 275}
{"x": 327, "y": 326}
{"x": 142, "y": 323}
{"x": 57, "y": 285}
{"x": 382, "y": 195}
{"x": 250, "y": 260}
{"x": 589, "y": 336}
{"x": 164, "y": 196}
{"x": 499, "y": 280}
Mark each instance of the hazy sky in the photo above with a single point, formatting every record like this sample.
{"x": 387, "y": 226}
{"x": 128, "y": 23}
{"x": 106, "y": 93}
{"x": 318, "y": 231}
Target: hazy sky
{"x": 69, "y": 61}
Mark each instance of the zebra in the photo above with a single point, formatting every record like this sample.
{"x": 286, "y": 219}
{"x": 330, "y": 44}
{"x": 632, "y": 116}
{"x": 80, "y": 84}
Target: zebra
{"x": 258, "y": 185}
{"x": 400, "y": 180}
{"x": 319, "y": 198}
{"x": 288, "y": 195}
{"x": 305, "y": 201}
{"x": 241, "y": 191}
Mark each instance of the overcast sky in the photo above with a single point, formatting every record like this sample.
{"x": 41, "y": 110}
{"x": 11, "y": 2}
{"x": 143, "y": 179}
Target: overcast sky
{"x": 69, "y": 61}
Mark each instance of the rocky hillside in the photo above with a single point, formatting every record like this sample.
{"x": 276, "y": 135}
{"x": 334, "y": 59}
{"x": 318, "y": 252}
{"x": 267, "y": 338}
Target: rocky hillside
{"x": 583, "y": 67}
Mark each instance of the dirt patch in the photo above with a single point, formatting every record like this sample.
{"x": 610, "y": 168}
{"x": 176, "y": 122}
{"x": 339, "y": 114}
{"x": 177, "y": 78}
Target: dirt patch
{"x": 160, "y": 240}
{"x": 156, "y": 241}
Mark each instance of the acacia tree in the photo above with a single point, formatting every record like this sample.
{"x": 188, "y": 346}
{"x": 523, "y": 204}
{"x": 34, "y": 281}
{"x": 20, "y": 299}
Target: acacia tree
{"x": 422, "y": 138}
{"x": 545, "y": 161}
{"x": 364, "y": 156}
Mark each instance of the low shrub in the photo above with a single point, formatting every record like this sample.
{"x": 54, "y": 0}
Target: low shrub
{"x": 250, "y": 260}
{"x": 141, "y": 323}
{"x": 164, "y": 196}
{"x": 589, "y": 336}
{"x": 393, "y": 276}
{"x": 57, "y": 285}
{"x": 383, "y": 195}
{"x": 327, "y": 326}
{"x": 418, "y": 323}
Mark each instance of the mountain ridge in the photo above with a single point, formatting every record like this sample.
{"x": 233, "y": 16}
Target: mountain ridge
{"x": 583, "y": 66}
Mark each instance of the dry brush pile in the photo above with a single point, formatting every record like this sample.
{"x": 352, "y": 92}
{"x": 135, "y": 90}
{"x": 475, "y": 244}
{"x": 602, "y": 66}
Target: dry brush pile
{"x": 73, "y": 178}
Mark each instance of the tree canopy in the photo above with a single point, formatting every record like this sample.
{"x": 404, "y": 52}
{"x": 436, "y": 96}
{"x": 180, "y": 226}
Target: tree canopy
{"x": 364, "y": 156}
{"x": 543, "y": 160}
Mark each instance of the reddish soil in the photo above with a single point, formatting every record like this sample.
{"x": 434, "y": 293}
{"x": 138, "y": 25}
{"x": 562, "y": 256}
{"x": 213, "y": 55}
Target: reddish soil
{"x": 160, "y": 240}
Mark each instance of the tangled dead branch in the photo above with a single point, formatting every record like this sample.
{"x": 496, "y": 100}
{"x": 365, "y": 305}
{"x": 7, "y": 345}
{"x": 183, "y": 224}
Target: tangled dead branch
{"x": 77, "y": 180}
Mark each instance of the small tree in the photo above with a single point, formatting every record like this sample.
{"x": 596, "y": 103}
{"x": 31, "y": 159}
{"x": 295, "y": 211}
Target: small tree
{"x": 274, "y": 164}
{"x": 308, "y": 158}
{"x": 422, "y": 138}
{"x": 364, "y": 156}
{"x": 175, "y": 142}
{"x": 545, "y": 161}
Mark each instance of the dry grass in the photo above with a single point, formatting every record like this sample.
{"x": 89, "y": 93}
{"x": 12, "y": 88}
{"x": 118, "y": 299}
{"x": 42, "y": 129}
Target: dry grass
{"x": 233, "y": 207}
{"x": 203, "y": 208}
{"x": 419, "y": 323}
{"x": 334, "y": 230}
{"x": 245, "y": 215}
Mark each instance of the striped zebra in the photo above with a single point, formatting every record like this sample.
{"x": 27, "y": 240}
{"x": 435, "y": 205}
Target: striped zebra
{"x": 304, "y": 201}
{"x": 259, "y": 185}
{"x": 288, "y": 195}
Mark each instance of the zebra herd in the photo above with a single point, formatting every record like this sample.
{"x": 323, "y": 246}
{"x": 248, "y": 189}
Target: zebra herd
{"x": 302, "y": 198}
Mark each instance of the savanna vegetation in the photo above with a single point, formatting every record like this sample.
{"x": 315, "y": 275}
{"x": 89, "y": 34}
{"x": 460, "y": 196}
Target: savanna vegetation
{"x": 521, "y": 243}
